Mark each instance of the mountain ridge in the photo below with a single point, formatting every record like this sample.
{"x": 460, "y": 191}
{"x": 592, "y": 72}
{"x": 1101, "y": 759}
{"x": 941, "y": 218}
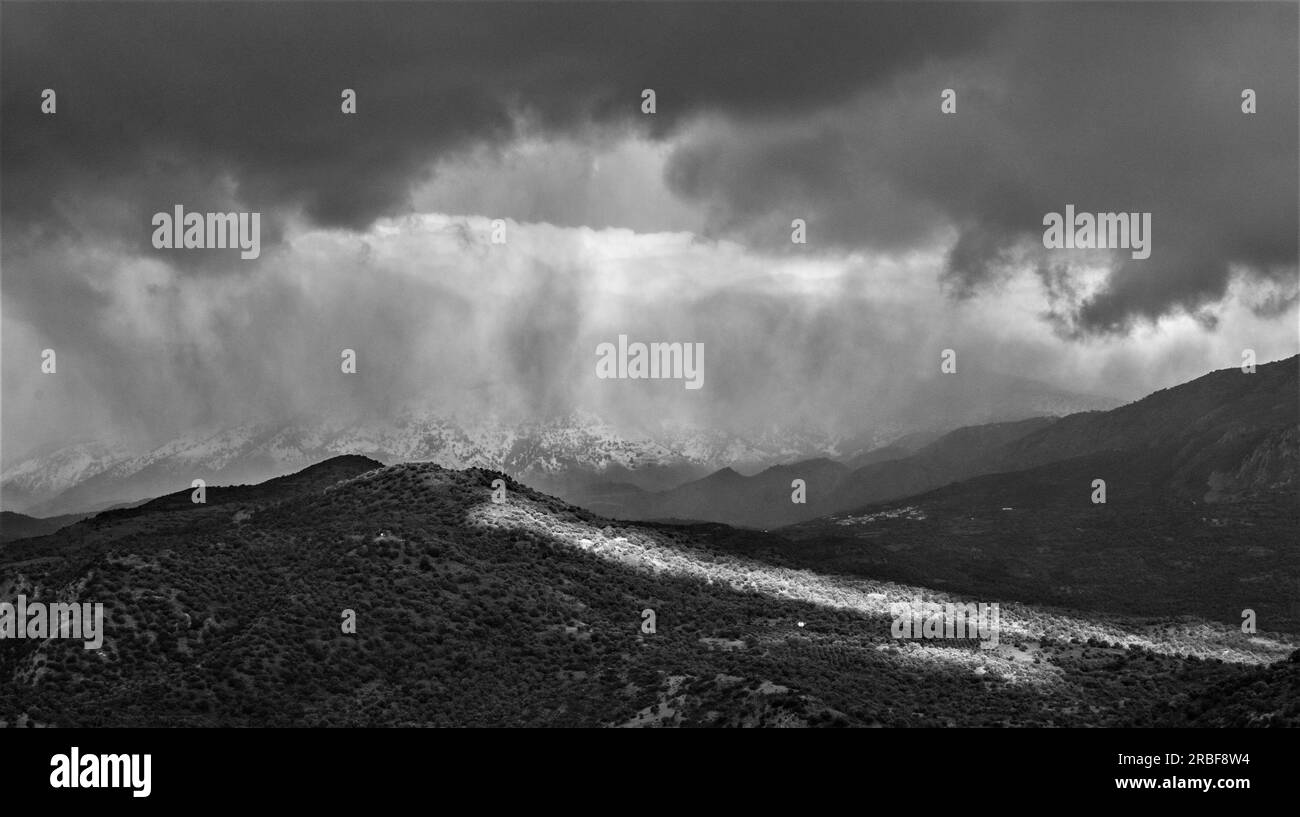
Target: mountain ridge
{"x": 562, "y": 454}
{"x": 1225, "y": 436}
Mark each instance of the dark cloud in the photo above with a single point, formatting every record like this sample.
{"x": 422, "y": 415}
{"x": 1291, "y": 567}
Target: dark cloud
{"x": 1106, "y": 107}
{"x": 236, "y": 106}
{"x": 153, "y": 95}
{"x": 769, "y": 111}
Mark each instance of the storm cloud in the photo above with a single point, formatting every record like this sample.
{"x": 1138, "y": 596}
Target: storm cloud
{"x": 171, "y": 101}
{"x": 923, "y": 228}
{"x": 1110, "y": 108}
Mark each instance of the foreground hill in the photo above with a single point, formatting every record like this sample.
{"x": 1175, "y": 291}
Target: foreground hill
{"x": 530, "y": 612}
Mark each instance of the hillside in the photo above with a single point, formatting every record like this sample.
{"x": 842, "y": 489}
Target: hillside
{"x": 1224, "y": 437}
{"x": 1036, "y": 535}
{"x": 1201, "y": 512}
{"x": 530, "y": 612}
{"x": 20, "y": 526}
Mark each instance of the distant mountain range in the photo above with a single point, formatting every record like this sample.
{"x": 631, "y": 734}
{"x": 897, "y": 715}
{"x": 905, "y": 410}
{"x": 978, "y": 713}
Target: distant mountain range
{"x": 89, "y": 477}
{"x": 1223, "y": 437}
{"x": 15, "y": 526}
{"x": 578, "y": 456}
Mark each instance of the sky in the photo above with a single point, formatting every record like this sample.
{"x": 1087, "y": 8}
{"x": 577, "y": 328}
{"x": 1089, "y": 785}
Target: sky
{"x": 924, "y": 228}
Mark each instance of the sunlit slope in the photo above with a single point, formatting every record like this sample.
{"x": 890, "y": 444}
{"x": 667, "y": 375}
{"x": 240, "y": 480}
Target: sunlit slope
{"x": 530, "y": 611}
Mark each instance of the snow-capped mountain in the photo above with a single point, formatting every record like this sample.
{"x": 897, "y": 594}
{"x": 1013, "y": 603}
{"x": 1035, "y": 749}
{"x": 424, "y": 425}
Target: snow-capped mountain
{"x": 43, "y": 476}
{"x": 564, "y": 455}
{"x": 554, "y": 452}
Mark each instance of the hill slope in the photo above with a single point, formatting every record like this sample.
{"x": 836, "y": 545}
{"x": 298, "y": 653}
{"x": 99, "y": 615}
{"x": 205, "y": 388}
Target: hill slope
{"x": 20, "y": 526}
{"x": 1036, "y": 535}
{"x": 531, "y": 612}
{"x": 1224, "y": 437}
